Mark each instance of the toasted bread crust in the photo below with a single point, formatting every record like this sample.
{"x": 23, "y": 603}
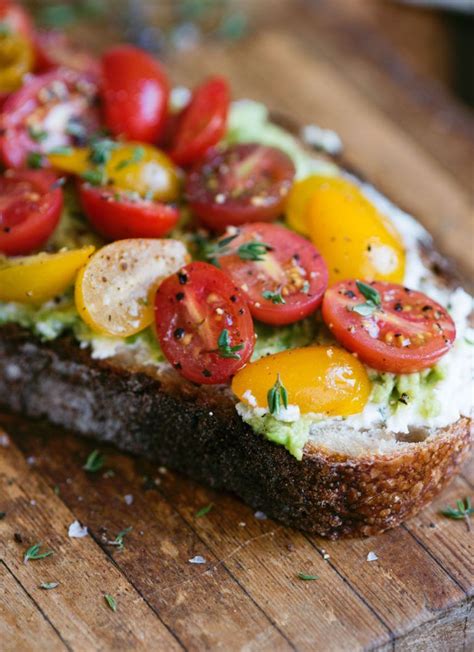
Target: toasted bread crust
{"x": 200, "y": 434}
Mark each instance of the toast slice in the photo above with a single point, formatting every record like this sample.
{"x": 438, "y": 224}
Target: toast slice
{"x": 348, "y": 483}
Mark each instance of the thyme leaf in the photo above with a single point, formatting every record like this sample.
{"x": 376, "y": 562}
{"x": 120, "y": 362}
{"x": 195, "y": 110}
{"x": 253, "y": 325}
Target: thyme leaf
{"x": 35, "y": 553}
{"x": 225, "y": 349}
{"x": 276, "y": 396}
{"x": 94, "y": 462}
{"x": 111, "y": 601}
{"x": 274, "y": 297}
{"x": 204, "y": 510}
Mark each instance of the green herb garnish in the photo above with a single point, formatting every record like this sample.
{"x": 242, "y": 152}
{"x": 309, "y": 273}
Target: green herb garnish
{"x": 253, "y": 250}
{"x": 307, "y": 578}
{"x": 34, "y": 553}
{"x": 137, "y": 156}
{"x": 118, "y": 541}
{"x": 373, "y": 301}
{"x": 111, "y": 601}
{"x": 94, "y": 462}
{"x": 62, "y": 150}
{"x": 463, "y": 511}
{"x": 95, "y": 177}
{"x": 274, "y": 297}
{"x": 224, "y": 347}
{"x": 204, "y": 510}
{"x": 101, "y": 150}
{"x": 47, "y": 586}
{"x": 34, "y": 160}
{"x": 276, "y": 396}
{"x": 37, "y": 134}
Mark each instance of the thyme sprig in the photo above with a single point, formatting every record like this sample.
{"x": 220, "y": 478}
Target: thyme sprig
{"x": 118, "y": 541}
{"x": 225, "y": 349}
{"x": 373, "y": 300}
{"x": 35, "y": 553}
{"x": 463, "y": 511}
{"x": 276, "y": 396}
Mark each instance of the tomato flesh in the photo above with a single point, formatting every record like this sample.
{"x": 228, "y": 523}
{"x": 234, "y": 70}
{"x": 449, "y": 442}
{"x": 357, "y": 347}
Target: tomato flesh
{"x": 289, "y": 280}
{"x": 203, "y": 122}
{"x": 30, "y": 208}
{"x": 239, "y": 184}
{"x": 37, "y": 118}
{"x": 192, "y": 309}
{"x": 407, "y": 333}
{"x": 135, "y": 94}
{"x": 117, "y": 214}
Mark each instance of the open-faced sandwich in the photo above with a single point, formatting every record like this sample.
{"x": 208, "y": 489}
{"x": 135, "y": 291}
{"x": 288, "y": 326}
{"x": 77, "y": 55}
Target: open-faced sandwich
{"x": 183, "y": 277}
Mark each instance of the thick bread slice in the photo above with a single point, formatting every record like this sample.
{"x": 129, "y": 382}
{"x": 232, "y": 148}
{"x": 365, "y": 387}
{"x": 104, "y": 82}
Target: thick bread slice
{"x": 197, "y": 431}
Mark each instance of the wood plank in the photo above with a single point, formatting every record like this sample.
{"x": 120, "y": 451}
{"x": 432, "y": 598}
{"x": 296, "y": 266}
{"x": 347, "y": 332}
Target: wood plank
{"x": 202, "y": 604}
{"x": 355, "y": 37}
{"x": 448, "y": 541}
{"x": 22, "y": 623}
{"x": 263, "y": 557}
{"x": 392, "y": 584}
{"x": 315, "y": 92}
{"x": 76, "y": 608}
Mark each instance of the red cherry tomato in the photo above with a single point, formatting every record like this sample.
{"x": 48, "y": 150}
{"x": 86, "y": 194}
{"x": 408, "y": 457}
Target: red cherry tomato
{"x": 203, "y": 324}
{"x": 117, "y": 215}
{"x": 135, "y": 94}
{"x": 281, "y": 274}
{"x": 404, "y": 331}
{"x": 203, "y": 122}
{"x": 37, "y": 118}
{"x": 30, "y": 208}
{"x": 240, "y": 184}
{"x": 16, "y": 19}
{"x": 54, "y": 49}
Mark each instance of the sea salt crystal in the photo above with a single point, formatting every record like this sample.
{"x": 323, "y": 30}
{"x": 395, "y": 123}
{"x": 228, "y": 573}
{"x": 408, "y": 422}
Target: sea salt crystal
{"x": 197, "y": 560}
{"x": 372, "y": 556}
{"x": 260, "y": 516}
{"x": 128, "y": 498}
{"x": 77, "y": 531}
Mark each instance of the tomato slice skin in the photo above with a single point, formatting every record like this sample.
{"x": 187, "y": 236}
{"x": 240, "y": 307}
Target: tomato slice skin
{"x": 408, "y": 333}
{"x": 54, "y": 49}
{"x": 203, "y": 122}
{"x": 35, "y": 103}
{"x": 116, "y": 216}
{"x": 30, "y": 208}
{"x": 192, "y": 309}
{"x": 135, "y": 92}
{"x": 292, "y": 269}
{"x": 240, "y": 184}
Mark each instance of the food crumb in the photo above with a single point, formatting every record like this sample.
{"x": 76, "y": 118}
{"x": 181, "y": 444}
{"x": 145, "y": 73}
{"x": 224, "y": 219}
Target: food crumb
{"x": 242, "y": 524}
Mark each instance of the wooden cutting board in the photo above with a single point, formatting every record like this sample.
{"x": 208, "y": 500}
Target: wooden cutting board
{"x": 246, "y": 595}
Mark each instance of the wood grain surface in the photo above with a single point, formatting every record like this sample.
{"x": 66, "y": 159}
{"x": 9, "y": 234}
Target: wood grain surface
{"x": 418, "y": 594}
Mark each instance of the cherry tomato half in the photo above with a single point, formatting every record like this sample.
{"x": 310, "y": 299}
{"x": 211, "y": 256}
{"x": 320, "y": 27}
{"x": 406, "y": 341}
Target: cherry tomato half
{"x": 117, "y": 214}
{"x": 203, "y": 122}
{"x": 55, "y": 49}
{"x": 38, "y": 118}
{"x": 389, "y": 327}
{"x": 16, "y": 60}
{"x": 203, "y": 324}
{"x": 135, "y": 94}
{"x": 30, "y": 208}
{"x": 281, "y": 274}
{"x": 242, "y": 183}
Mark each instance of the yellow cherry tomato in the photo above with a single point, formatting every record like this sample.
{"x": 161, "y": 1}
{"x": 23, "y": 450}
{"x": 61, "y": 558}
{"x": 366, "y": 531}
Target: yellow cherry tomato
{"x": 320, "y": 379}
{"x": 301, "y": 195}
{"x": 115, "y": 291}
{"x": 136, "y": 167}
{"x": 16, "y": 59}
{"x": 353, "y": 237}
{"x": 38, "y": 278}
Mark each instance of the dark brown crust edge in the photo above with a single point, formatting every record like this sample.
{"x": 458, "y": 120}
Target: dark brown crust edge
{"x": 200, "y": 434}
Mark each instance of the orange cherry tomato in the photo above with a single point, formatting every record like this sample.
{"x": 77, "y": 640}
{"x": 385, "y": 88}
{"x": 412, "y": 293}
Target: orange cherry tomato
{"x": 319, "y": 379}
{"x": 16, "y": 59}
{"x": 353, "y": 237}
